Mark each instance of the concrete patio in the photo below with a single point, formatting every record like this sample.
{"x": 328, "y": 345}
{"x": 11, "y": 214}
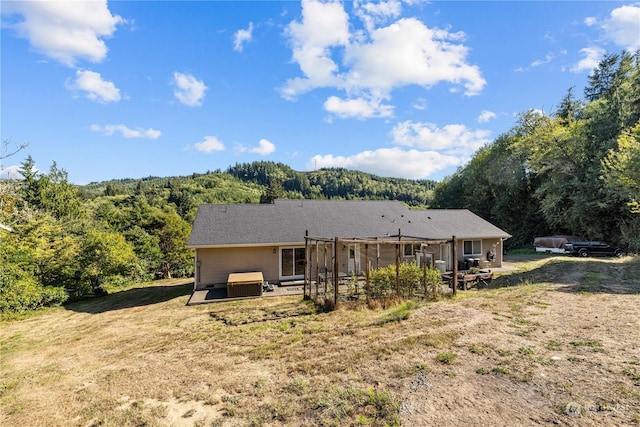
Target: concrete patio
{"x": 212, "y": 295}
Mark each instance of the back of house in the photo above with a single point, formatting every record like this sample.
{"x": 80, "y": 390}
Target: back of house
{"x": 273, "y": 239}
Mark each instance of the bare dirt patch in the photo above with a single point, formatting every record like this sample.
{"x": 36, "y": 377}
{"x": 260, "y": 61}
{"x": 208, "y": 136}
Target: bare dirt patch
{"x": 555, "y": 341}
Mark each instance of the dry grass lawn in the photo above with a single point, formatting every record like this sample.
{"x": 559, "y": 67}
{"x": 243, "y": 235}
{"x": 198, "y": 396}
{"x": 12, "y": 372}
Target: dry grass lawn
{"x": 555, "y": 342}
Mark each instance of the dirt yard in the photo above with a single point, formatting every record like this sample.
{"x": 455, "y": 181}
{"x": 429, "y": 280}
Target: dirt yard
{"x": 555, "y": 342}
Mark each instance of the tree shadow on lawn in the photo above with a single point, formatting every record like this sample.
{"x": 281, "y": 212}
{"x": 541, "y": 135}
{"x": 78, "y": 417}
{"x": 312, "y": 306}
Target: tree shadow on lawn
{"x": 576, "y": 275}
{"x": 134, "y": 297}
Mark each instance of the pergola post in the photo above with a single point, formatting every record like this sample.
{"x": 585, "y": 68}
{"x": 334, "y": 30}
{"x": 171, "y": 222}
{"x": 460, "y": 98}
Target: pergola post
{"x": 307, "y": 265}
{"x": 335, "y": 271}
{"x": 454, "y": 256}
{"x": 366, "y": 272}
{"x": 398, "y": 263}
{"x": 424, "y": 270}
{"x": 326, "y": 271}
{"x": 317, "y": 268}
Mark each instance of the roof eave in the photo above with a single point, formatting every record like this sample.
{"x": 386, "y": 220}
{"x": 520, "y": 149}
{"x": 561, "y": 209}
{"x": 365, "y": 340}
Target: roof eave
{"x": 244, "y": 245}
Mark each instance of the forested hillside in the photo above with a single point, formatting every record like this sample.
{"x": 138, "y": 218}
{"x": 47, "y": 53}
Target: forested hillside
{"x": 333, "y": 184}
{"x": 575, "y": 171}
{"x": 262, "y": 182}
{"x": 76, "y": 241}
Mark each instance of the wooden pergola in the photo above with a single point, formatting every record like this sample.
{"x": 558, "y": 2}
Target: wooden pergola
{"x": 327, "y": 266}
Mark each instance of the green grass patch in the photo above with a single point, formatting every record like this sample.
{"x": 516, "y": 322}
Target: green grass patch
{"x": 298, "y": 387}
{"x": 525, "y": 351}
{"x": 627, "y": 392}
{"x": 633, "y": 374}
{"x": 477, "y": 350}
{"x": 500, "y": 370}
{"x": 338, "y": 405}
{"x": 586, "y": 343}
{"x": 446, "y": 357}
{"x": 398, "y": 313}
{"x": 542, "y": 361}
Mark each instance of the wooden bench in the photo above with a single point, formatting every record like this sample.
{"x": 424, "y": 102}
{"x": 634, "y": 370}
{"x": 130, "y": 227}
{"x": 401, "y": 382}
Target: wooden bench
{"x": 467, "y": 280}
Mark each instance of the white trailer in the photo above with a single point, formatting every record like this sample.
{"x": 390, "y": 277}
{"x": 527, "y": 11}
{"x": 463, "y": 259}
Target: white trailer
{"x": 554, "y": 244}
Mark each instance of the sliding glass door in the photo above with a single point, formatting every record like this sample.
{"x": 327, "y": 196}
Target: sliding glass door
{"x": 292, "y": 263}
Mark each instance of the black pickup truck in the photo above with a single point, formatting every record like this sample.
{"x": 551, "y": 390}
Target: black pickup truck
{"x": 585, "y": 249}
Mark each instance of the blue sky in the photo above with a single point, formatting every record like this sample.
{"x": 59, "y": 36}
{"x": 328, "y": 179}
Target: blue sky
{"x": 396, "y": 88}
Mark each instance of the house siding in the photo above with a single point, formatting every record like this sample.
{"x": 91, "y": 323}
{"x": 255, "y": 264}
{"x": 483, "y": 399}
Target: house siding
{"x": 213, "y": 265}
{"x": 494, "y": 244}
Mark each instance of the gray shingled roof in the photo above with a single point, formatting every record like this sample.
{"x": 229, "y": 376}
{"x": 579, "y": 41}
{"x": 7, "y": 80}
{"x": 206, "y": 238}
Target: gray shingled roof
{"x": 286, "y": 221}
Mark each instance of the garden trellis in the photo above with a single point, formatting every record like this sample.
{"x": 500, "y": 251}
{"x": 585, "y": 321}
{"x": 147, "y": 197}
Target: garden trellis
{"x": 341, "y": 268}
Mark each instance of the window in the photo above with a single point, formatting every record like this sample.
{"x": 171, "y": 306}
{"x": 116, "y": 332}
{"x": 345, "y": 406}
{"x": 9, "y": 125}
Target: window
{"x": 472, "y": 247}
{"x": 292, "y": 262}
{"x": 410, "y": 249}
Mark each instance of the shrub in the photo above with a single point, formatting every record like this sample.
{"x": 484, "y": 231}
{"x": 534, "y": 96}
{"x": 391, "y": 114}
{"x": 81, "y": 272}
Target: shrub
{"x": 410, "y": 278}
{"x": 115, "y": 282}
{"x": 19, "y": 292}
{"x": 433, "y": 283}
{"x": 53, "y": 295}
{"x": 383, "y": 281}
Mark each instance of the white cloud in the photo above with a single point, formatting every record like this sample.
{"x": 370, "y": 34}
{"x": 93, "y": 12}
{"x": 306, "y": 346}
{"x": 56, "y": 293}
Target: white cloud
{"x": 376, "y": 12}
{"x": 369, "y": 64}
{"x": 96, "y": 89}
{"x": 406, "y": 53}
{"x": 422, "y": 150}
{"x": 264, "y": 148}
{"x": 190, "y": 90}
{"x": 359, "y": 108}
{"x": 394, "y": 162}
{"x": 324, "y": 25}
{"x": 450, "y": 139}
{"x": 547, "y": 59}
{"x": 210, "y": 143}
{"x": 485, "y": 116}
{"x": 64, "y": 30}
{"x": 11, "y": 172}
{"x": 126, "y": 132}
{"x": 623, "y": 26}
{"x": 420, "y": 104}
{"x": 241, "y": 37}
{"x": 592, "y": 56}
